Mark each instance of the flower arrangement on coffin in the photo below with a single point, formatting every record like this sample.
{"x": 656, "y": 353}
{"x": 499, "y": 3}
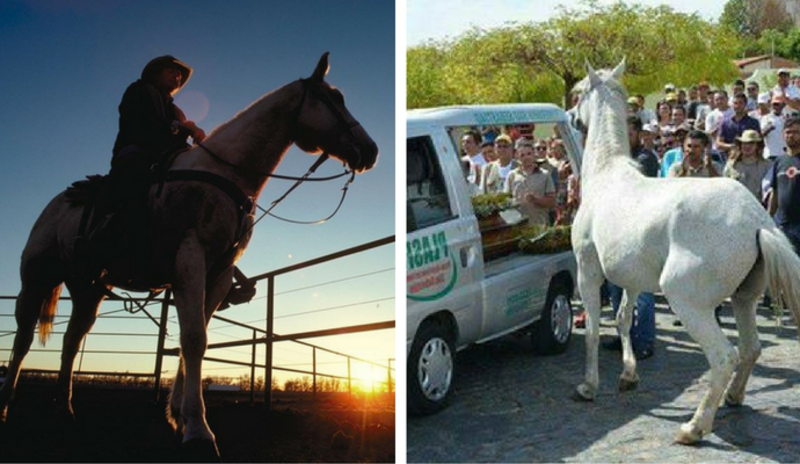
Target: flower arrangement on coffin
{"x": 490, "y": 204}
{"x": 500, "y": 224}
{"x": 545, "y": 240}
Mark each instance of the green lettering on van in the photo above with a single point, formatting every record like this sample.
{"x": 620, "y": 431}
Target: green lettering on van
{"x": 426, "y": 250}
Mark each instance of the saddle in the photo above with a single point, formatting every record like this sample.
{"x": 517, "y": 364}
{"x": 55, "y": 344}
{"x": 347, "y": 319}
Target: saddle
{"x": 102, "y": 233}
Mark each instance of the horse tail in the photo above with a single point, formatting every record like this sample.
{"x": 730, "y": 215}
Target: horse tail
{"x": 783, "y": 269}
{"x": 48, "y": 312}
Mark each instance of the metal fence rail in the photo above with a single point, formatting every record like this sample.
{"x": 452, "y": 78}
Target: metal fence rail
{"x": 267, "y": 337}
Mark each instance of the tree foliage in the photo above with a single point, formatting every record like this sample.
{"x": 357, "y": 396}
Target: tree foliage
{"x": 750, "y": 18}
{"x": 523, "y": 62}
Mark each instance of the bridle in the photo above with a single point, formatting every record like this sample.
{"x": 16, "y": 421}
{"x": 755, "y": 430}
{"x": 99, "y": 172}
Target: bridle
{"x": 345, "y": 129}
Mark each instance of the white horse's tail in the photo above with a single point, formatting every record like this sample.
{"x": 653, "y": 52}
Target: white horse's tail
{"x": 783, "y": 269}
{"x": 47, "y": 313}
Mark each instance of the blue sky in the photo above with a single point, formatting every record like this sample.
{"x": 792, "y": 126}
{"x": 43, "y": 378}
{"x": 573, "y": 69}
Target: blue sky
{"x": 64, "y": 66}
{"x": 449, "y": 18}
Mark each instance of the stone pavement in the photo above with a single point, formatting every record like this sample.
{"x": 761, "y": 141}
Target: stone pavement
{"x": 511, "y": 406}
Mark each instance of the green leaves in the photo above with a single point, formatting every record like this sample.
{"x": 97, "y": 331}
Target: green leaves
{"x": 541, "y": 62}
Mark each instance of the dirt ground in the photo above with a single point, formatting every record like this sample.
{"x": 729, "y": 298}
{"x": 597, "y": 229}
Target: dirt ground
{"x": 129, "y": 426}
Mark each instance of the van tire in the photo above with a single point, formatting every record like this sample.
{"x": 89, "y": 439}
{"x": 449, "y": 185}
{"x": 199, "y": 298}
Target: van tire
{"x": 431, "y": 368}
{"x": 552, "y": 332}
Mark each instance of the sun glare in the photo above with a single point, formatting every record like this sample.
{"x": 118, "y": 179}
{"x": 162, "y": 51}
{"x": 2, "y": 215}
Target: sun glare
{"x": 371, "y": 379}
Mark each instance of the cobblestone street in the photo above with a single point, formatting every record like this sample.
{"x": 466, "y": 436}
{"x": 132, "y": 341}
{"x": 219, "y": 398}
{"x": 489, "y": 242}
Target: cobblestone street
{"x": 511, "y": 406}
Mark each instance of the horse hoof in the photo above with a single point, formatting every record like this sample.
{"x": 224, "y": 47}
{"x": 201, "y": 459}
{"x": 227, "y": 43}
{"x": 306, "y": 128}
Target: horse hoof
{"x": 628, "y": 384}
{"x": 199, "y": 450}
{"x": 732, "y": 402}
{"x": 583, "y": 393}
{"x": 689, "y": 435}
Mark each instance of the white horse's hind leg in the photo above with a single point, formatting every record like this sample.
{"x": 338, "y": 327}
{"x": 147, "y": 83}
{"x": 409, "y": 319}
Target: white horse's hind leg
{"x": 590, "y": 278}
{"x": 744, "y": 310}
{"x": 175, "y": 399}
{"x": 722, "y": 357}
{"x": 628, "y": 380}
{"x": 30, "y": 299}
{"x": 85, "y": 303}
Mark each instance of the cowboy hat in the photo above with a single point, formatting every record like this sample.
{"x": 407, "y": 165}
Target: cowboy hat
{"x": 749, "y": 136}
{"x": 156, "y": 65}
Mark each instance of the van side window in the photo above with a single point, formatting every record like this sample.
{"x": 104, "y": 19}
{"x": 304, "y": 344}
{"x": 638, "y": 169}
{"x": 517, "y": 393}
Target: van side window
{"x": 427, "y": 202}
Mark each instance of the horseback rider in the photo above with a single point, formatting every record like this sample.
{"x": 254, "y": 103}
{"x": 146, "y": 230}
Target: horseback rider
{"x": 149, "y": 121}
{"x": 151, "y": 127}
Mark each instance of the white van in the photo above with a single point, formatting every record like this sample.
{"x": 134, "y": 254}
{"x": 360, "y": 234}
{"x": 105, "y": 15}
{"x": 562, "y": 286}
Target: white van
{"x": 457, "y": 294}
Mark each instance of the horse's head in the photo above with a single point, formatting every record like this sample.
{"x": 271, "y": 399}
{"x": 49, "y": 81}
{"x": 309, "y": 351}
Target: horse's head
{"x": 324, "y": 123}
{"x": 591, "y": 84}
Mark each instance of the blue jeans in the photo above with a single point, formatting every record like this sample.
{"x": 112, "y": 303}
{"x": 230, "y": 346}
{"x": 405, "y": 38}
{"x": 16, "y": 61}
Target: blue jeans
{"x": 643, "y": 327}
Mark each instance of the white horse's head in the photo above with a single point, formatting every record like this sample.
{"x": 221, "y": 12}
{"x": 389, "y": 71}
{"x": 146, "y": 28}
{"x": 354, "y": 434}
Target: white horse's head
{"x": 324, "y": 123}
{"x": 589, "y": 86}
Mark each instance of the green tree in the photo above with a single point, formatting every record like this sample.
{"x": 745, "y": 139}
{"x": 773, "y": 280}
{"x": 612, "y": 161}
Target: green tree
{"x": 750, "y": 18}
{"x": 543, "y": 61}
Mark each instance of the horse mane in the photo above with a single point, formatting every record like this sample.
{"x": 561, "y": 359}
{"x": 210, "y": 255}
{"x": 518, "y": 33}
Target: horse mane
{"x": 242, "y": 132}
{"x": 611, "y": 147}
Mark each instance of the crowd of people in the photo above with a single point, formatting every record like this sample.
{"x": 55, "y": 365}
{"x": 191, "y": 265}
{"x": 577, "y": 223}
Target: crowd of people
{"x": 749, "y": 135}
{"x": 536, "y": 172}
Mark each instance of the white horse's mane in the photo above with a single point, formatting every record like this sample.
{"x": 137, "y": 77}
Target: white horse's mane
{"x": 240, "y": 132}
{"x": 603, "y": 145}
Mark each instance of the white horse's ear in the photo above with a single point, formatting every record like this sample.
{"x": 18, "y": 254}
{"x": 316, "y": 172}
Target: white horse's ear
{"x": 594, "y": 79}
{"x": 619, "y": 70}
{"x": 322, "y": 68}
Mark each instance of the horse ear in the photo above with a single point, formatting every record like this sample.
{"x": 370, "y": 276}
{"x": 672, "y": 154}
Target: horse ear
{"x": 594, "y": 79}
{"x": 619, "y": 70}
{"x": 322, "y": 68}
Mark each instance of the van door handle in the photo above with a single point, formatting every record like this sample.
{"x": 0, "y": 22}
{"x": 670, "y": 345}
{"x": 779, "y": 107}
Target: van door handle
{"x": 464, "y": 255}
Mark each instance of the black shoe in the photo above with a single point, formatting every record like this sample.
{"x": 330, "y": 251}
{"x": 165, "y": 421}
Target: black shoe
{"x": 613, "y": 345}
{"x": 644, "y": 353}
{"x": 677, "y": 323}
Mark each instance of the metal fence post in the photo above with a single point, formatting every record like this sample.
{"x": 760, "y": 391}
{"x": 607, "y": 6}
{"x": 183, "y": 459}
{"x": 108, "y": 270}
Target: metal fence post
{"x": 389, "y": 376}
{"x": 270, "y": 327}
{"x": 349, "y": 378}
{"x": 162, "y": 335}
{"x": 253, "y": 371}
{"x": 314, "y": 369}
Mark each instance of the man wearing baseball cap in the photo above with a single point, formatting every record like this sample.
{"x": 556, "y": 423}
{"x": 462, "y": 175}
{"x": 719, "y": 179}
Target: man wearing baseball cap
{"x": 787, "y": 90}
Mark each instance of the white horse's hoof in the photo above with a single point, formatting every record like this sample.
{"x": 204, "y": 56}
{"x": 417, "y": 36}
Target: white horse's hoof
{"x": 584, "y": 393}
{"x": 689, "y": 434}
{"x": 175, "y": 420}
{"x": 733, "y": 401}
{"x": 199, "y": 450}
{"x": 626, "y": 384}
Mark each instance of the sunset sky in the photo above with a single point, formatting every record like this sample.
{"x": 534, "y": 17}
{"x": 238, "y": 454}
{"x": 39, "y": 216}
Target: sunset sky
{"x": 64, "y": 66}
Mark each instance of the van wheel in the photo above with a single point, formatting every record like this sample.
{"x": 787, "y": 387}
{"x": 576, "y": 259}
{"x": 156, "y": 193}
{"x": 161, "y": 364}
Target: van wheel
{"x": 552, "y": 332}
{"x": 430, "y": 369}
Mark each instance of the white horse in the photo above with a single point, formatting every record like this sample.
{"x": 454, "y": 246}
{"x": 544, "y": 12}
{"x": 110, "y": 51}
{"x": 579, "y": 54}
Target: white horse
{"x": 202, "y": 224}
{"x": 698, "y": 241}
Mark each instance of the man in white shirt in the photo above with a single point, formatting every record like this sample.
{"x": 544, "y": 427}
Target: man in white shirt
{"x": 789, "y": 91}
{"x": 772, "y": 129}
{"x": 470, "y": 143}
{"x": 715, "y": 118}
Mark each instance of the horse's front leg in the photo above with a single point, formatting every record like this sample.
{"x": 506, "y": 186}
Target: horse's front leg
{"x": 628, "y": 380}
{"x": 189, "y": 289}
{"x": 589, "y": 281}
{"x": 216, "y": 290}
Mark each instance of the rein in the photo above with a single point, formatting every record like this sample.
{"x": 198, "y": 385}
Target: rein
{"x": 346, "y": 129}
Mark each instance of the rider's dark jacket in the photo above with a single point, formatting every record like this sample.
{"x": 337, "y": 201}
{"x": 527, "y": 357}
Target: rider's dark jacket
{"x": 148, "y": 119}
